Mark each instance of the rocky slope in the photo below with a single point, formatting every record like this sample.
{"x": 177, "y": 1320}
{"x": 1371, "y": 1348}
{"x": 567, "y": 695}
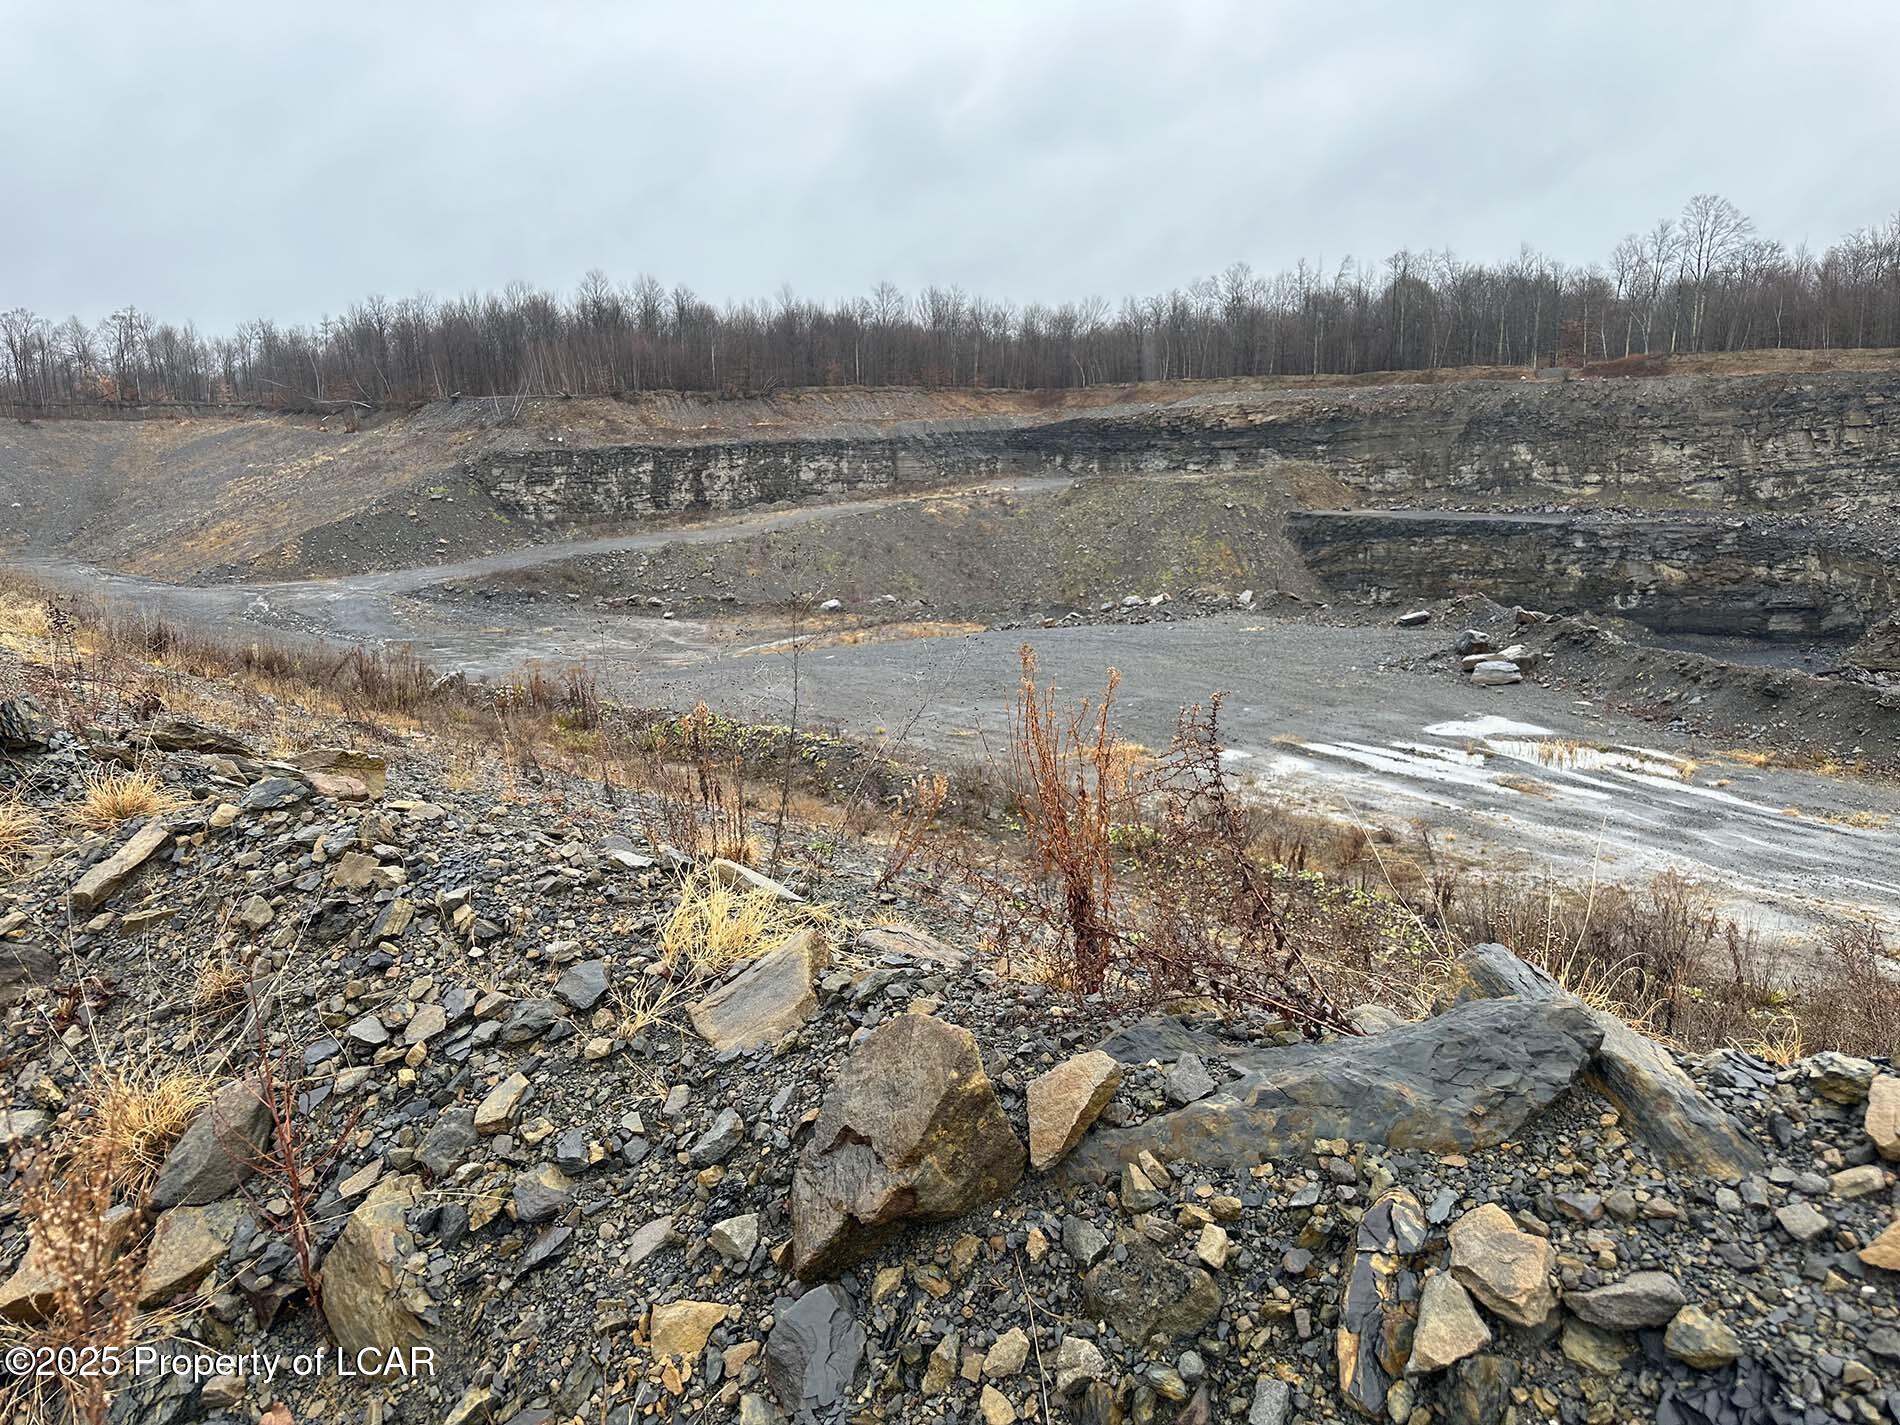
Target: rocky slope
{"x": 288, "y": 496}
{"x": 873, "y": 1175}
{"x": 1755, "y": 575}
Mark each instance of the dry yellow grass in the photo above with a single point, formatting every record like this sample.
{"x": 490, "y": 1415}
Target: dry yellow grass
{"x": 1528, "y": 786}
{"x": 641, "y": 1004}
{"x": 20, "y": 827}
{"x": 23, "y": 623}
{"x": 137, "y": 1116}
{"x": 714, "y": 925}
{"x": 219, "y": 986}
{"x": 1779, "y": 1043}
{"x": 113, "y": 797}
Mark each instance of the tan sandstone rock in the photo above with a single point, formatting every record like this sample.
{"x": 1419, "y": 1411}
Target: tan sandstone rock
{"x": 369, "y": 1297}
{"x": 910, "y": 1130}
{"x": 767, "y": 1000}
{"x": 1883, "y": 1116}
{"x": 1065, "y": 1101}
{"x": 1504, "y": 1267}
{"x": 1449, "y": 1327}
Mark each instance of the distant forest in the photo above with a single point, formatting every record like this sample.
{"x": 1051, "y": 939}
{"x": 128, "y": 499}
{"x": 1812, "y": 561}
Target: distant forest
{"x": 1702, "y": 281}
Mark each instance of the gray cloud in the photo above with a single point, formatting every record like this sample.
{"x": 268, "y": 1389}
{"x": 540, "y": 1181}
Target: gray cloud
{"x": 221, "y": 162}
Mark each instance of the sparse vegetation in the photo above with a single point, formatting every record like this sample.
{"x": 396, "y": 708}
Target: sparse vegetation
{"x": 20, "y": 828}
{"x": 715, "y": 924}
{"x": 136, "y": 1116}
{"x": 112, "y": 797}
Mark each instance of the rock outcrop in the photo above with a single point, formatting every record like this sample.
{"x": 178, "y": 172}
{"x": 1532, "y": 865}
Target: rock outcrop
{"x": 1471, "y": 1077}
{"x": 1656, "y": 1097}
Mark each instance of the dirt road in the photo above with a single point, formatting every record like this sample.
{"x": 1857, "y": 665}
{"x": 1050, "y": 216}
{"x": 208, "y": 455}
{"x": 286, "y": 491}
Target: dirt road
{"x": 1524, "y": 779}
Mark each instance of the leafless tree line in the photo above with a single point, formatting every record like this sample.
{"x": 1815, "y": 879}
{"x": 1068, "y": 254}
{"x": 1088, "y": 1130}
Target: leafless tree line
{"x": 1702, "y": 281}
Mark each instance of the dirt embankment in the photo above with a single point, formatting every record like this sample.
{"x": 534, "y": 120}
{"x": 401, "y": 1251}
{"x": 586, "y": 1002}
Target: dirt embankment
{"x": 978, "y": 555}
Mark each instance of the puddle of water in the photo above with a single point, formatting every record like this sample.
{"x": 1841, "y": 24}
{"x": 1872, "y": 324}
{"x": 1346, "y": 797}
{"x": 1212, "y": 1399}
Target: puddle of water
{"x": 1565, "y": 755}
{"x": 1486, "y": 727}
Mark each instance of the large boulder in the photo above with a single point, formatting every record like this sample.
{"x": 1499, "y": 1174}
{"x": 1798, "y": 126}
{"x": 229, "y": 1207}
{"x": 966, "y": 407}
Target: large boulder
{"x": 221, "y": 1148}
{"x": 1656, "y": 1098}
{"x": 1469, "y": 1078}
{"x": 370, "y": 1298}
{"x": 910, "y": 1130}
{"x": 767, "y": 1000}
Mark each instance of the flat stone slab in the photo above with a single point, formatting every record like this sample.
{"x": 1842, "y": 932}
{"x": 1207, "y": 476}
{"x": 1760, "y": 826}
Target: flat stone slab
{"x": 1469, "y": 1078}
{"x": 103, "y": 881}
{"x": 767, "y": 1000}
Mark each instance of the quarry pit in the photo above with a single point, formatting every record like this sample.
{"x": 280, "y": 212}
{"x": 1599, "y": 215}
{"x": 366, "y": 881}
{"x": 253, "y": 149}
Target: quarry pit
{"x": 1702, "y": 568}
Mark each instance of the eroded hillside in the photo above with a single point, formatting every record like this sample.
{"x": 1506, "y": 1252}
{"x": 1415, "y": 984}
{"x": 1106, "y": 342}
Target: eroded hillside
{"x": 266, "y": 496}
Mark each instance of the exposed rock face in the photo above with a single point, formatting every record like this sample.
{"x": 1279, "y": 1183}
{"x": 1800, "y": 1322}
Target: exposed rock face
{"x": 1503, "y": 1266}
{"x": 1655, "y": 1097}
{"x": 1773, "y": 441}
{"x": 1468, "y": 1078}
{"x": 369, "y": 1299}
{"x": 1879, "y": 649}
{"x": 767, "y": 1000}
{"x": 911, "y": 1130}
{"x": 1065, "y": 1101}
{"x": 1766, "y": 575}
{"x": 1147, "y": 1294}
{"x": 218, "y": 1151}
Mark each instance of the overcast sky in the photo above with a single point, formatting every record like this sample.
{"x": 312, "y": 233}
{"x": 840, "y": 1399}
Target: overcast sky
{"x": 222, "y": 162}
